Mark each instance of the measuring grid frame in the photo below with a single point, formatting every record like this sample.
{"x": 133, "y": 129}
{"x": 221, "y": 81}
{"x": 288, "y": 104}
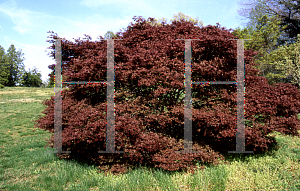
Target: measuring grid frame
{"x": 110, "y": 129}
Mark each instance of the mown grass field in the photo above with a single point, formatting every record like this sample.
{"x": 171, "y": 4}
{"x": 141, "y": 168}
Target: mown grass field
{"x": 25, "y": 165}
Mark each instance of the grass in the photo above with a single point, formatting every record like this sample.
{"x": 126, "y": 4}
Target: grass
{"x": 25, "y": 165}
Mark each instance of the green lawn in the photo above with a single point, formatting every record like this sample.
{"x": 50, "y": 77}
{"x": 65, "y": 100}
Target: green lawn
{"x": 25, "y": 165}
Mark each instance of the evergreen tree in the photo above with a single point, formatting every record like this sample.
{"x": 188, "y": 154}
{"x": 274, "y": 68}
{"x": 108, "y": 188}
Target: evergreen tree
{"x": 290, "y": 17}
{"x": 3, "y": 68}
{"x": 15, "y": 66}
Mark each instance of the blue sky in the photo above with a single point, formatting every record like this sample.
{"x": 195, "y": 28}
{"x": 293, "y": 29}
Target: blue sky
{"x": 25, "y": 23}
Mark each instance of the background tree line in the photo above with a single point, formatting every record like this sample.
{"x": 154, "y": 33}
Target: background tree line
{"x": 273, "y": 26}
{"x": 12, "y": 70}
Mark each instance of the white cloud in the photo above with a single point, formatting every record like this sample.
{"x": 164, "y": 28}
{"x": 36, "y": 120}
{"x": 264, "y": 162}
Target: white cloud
{"x": 25, "y": 21}
{"x": 125, "y": 8}
{"x": 99, "y": 3}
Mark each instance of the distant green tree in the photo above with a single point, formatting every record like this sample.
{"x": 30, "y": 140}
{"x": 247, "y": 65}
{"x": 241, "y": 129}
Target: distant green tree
{"x": 264, "y": 34}
{"x": 3, "y": 68}
{"x": 15, "y": 66}
{"x": 31, "y": 78}
{"x": 286, "y": 59}
{"x": 178, "y": 17}
{"x": 110, "y": 35}
{"x": 49, "y": 83}
{"x": 287, "y": 11}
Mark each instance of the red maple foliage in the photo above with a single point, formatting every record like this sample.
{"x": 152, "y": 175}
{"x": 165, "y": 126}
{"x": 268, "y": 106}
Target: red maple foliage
{"x": 149, "y": 108}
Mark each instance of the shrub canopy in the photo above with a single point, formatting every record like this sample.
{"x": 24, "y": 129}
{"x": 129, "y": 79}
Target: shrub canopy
{"x": 149, "y": 93}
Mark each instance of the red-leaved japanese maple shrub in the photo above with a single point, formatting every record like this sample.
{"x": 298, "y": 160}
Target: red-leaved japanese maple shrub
{"x": 149, "y": 107}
